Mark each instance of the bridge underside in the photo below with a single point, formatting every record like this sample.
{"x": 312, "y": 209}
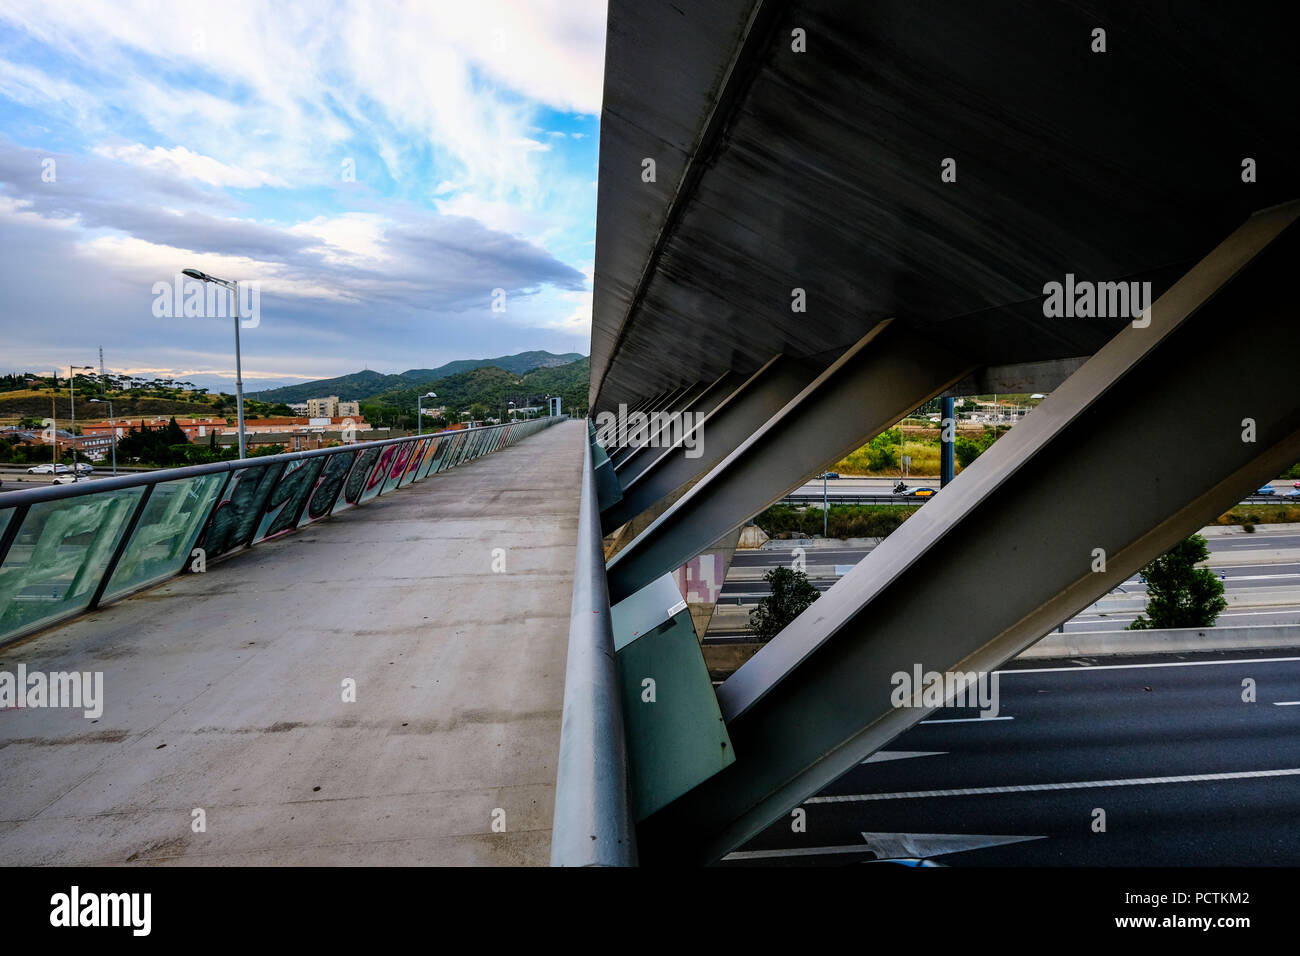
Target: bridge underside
{"x": 224, "y": 690}
{"x": 814, "y": 176}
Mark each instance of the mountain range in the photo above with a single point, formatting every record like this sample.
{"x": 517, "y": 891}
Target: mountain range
{"x": 362, "y": 386}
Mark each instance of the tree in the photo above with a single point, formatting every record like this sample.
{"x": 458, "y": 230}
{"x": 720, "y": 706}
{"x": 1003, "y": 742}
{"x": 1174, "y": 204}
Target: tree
{"x": 478, "y": 411}
{"x": 791, "y": 594}
{"x": 966, "y": 451}
{"x": 1181, "y": 594}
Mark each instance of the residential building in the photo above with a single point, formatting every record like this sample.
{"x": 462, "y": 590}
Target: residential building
{"x": 331, "y": 407}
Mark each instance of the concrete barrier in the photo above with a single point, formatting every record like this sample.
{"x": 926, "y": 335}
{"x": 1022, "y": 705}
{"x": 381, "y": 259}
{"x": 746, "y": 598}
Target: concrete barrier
{"x": 1174, "y": 641}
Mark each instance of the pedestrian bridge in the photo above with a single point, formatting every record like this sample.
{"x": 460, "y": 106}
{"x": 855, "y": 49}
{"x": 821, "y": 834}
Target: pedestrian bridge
{"x": 382, "y": 687}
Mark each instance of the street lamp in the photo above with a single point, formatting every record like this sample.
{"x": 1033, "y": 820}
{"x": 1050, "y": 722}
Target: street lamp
{"x": 72, "y": 405}
{"x": 419, "y": 415}
{"x": 112, "y": 427}
{"x": 239, "y": 374}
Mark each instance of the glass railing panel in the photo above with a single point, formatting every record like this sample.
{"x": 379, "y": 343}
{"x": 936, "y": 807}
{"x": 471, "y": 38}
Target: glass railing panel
{"x": 61, "y": 551}
{"x": 163, "y": 539}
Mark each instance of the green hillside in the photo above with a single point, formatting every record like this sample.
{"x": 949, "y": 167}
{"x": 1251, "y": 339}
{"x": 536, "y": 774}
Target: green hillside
{"x": 369, "y": 385}
{"x": 491, "y": 387}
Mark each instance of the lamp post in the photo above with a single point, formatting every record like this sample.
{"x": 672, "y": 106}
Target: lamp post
{"x": 826, "y": 504}
{"x": 112, "y": 427}
{"x": 419, "y": 415}
{"x": 72, "y": 409}
{"x": 239, "y": 374}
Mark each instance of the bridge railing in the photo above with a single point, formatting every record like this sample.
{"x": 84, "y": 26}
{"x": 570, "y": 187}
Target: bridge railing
{"x": 593, "y": 823}
{"x": 67, "y": 549}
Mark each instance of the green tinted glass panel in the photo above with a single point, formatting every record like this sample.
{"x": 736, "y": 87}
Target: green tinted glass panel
{"x": 165, "y": 534}
{"x": 329, "y": 486}
{"x": 61, "y": 551}
{"x": 357, "y": 478}
{"x": 240, "y": 509}
{"x": 280, "y": 513}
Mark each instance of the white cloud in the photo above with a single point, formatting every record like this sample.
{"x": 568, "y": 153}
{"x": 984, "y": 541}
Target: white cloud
{"x": 182, "y": 162}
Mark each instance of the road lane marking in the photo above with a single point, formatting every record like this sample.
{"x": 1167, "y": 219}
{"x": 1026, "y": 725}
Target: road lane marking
{"x": 892, "y": 846}
{"x": 1116, "y": 667}
{"x": 1069, "y": 785}
{"x": 795, "y": 851}
{"x": 1286, "y": 703}
{"x": 883, "y": 756}
{"x": 966, "y": 720}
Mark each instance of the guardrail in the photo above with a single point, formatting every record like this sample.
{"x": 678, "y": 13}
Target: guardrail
{"x": 816, "y": 499}
{"x": 593, "y": 819}
{"x": 68, "y": 549}
{"x": 854, "y": 500}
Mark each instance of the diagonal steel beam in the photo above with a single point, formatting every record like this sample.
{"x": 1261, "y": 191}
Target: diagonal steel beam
{"x": 889, "y": 372}
{"x": 703, "y": 398}
{"x": 1147, "y": 460}
{"x": 666, "y": 400}
{"x": 751, "y": 402}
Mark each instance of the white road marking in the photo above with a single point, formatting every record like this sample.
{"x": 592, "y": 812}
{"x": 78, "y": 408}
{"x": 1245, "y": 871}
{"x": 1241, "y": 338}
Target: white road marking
{"x": 795, "y": 851}
{"x": 1070, "y": 785}
{"x": 969, "y": 720}
{"x": 1119, "y": 667}
{"x": 1286, "y": 703}
{"x": 883, "y": 756}
{"x": 891, "y": 846}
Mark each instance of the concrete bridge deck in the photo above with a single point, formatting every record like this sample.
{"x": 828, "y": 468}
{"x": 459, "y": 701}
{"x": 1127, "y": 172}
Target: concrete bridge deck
{"x": 223, "y": 691}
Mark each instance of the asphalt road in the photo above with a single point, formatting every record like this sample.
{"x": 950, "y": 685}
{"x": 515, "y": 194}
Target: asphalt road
{"x": 1186, "y": 773}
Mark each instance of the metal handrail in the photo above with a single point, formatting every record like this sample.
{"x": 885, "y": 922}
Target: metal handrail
{"x": 26, "y": 496}
{"x": 593, "y": 823}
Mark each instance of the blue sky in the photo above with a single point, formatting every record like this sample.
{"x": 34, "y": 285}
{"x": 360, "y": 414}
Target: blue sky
{"x": 378, "y": 168}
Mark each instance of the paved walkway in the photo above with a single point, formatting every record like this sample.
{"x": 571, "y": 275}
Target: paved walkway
{"x": 224, "y": 691}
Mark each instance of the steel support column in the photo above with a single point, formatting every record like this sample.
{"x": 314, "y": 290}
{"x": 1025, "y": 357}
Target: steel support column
{"x": 1148, "y": 461}
{"x": 723, "y": 429}
{"x": 889, "y": 372}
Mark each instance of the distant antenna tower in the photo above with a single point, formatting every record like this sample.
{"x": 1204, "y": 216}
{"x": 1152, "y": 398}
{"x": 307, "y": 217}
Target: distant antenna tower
{"x": 101, "y": 363}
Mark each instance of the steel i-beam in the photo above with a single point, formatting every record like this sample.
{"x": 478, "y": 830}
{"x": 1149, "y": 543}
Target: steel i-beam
{"x": 722, "y": 430}
{"x": 700, "y": 400}
{"x": 881, "y": 378}
{"x": 664, "y": 401}
{"x": 1146, "y": 459}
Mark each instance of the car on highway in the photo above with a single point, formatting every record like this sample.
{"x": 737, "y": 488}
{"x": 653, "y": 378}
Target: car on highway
{"x": 1296, "y": 486}
{"x": 1292, "y": 494}
{"x": 63, "y": 479}
{"x": 1267, "y": 490}
{"x": 46, "y": 469}
{"x": 832, "y": 475}
{"x": 84, "y": 468}
{"x": 918, "y": 493}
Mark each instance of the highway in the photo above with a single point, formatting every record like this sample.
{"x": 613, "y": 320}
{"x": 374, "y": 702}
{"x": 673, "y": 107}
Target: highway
{"x": 1235, "y": 555}
{"x": 879, "y": 491}
{"x": 1187, "y": 774}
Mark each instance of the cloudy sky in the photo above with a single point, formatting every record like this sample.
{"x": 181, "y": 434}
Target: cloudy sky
{"x": 379, "y": 168}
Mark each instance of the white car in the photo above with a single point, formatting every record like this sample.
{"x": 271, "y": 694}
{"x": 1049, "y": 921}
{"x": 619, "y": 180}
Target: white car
{"x": 64, "y": 480}
{"x": 83, "y": 468}
{"x": 41, "y": 470}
